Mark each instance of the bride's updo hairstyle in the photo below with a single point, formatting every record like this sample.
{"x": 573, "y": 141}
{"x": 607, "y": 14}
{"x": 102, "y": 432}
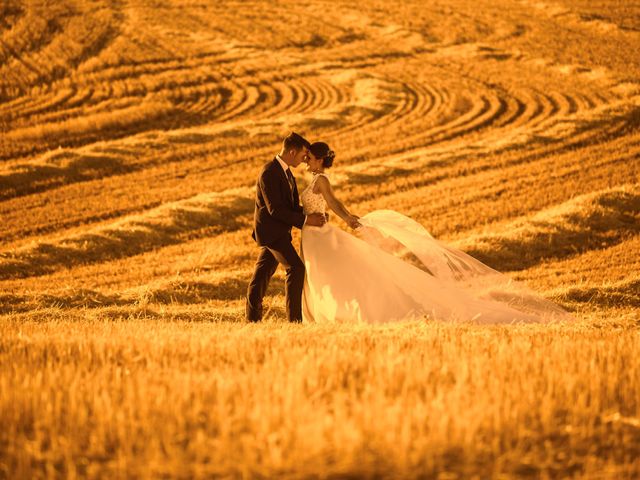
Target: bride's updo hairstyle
{"x": 322, "y": 150}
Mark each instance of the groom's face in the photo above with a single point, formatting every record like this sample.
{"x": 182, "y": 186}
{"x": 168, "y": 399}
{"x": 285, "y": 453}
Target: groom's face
{"x": 300, "y": 156}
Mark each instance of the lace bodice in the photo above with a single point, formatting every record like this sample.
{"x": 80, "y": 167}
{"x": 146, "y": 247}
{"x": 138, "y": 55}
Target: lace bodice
{"x": 313, "y": 202}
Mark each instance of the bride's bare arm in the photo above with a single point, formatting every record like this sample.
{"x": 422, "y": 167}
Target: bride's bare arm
{"x": 324, "y": 187}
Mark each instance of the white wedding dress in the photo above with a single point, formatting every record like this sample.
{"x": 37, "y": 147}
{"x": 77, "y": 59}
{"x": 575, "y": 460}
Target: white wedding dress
{"x": 392, "y": 269}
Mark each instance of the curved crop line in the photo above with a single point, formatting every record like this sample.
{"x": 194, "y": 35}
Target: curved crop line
{"x": 164, "y": 225}
{"x": 586, "y": 222}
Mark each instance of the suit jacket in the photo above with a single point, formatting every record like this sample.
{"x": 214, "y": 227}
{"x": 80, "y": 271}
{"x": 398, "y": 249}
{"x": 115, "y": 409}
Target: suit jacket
{"x": 277, "y": 208}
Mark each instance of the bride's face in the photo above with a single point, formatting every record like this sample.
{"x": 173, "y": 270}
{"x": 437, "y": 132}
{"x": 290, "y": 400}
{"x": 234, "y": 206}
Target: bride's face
{"x": 315, "y": 164}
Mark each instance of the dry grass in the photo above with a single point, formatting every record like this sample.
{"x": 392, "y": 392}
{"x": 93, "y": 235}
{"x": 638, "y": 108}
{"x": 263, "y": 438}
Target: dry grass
{"x": 132, "y": 133}
{"x": 205, "y": 214}
{"x": 595, "y": 220}
{"x": 143, "y": 397}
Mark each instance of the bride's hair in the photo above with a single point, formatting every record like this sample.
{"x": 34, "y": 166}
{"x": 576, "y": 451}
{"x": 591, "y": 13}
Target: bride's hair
{"x": 322, "y": 150}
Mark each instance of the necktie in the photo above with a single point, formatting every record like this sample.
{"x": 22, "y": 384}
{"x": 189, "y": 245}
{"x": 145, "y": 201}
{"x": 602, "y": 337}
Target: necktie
{"x": 292, "y": 182}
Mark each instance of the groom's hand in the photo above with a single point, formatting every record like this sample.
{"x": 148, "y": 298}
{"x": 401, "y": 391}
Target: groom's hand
{"x": 315, "y": 220}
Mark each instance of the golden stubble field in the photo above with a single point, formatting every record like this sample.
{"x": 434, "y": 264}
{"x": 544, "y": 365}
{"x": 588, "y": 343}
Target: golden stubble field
{"x": 132, "y": 133}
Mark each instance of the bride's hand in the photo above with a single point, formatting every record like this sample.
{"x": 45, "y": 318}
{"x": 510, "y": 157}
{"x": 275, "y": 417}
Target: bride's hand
{"x": 353, "y": 222}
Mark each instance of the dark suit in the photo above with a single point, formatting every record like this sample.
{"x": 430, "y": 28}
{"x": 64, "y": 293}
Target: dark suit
{"x": 277, "y": 210}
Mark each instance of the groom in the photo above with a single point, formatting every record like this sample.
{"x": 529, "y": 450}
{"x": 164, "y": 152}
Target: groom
{"x": 277, "y": 210}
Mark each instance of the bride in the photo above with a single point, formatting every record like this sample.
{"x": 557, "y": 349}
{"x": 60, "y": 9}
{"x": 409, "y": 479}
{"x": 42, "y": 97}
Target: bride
{"x": 393, "y": 269}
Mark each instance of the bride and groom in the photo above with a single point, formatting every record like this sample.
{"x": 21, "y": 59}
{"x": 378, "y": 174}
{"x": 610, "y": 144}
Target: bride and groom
{"x": 391, "y": 268}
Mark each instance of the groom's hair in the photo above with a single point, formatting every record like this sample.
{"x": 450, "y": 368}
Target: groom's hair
{"x": 295, "y": 141}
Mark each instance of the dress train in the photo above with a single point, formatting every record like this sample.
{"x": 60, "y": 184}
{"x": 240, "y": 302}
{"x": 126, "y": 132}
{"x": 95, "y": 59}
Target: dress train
{"x": 393, "y": 269}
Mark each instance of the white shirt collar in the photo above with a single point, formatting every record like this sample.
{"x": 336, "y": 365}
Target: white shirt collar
{"x": 282, "y": 163}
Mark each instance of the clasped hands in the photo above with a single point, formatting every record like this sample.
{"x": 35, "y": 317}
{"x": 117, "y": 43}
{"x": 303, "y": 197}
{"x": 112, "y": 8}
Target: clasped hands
{"x": 319, "y": 219}
{"x": 316, "y": 219}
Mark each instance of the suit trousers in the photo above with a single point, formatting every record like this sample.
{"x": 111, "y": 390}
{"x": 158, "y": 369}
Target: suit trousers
{"x": 280, "y": 252}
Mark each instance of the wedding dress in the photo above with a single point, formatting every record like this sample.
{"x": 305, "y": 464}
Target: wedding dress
{"x": 393, "y": 269}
